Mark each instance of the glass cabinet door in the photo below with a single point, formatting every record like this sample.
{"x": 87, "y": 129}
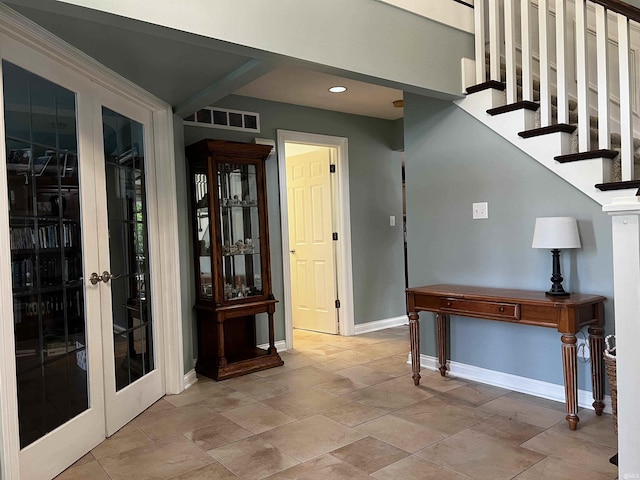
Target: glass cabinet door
{"x": 240, "y": 230}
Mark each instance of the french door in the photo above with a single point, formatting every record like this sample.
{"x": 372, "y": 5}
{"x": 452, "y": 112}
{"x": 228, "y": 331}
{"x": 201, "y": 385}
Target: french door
{"x": 79, "y": 174}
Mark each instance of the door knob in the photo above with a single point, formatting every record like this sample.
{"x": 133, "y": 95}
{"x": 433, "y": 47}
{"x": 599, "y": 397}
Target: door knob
{"x": 106, "y": 276}
{"x": 292, "y": 251}
{"x": 95, "y": 278}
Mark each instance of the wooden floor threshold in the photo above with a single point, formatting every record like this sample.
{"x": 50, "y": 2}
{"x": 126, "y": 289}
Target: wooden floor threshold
{"x": 494, "y": 84}
{"x": 618, "y": 185}
{"x": 558, "y": 128}
{"x": 575, "y": 157}
{"x": 512, "y": 107}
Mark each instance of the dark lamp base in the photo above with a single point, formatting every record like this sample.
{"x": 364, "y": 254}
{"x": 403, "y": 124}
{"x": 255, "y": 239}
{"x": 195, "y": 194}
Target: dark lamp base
{"x": 557, "y": 294}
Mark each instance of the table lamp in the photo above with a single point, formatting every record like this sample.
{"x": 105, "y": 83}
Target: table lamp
{"x": 556, "y": 233}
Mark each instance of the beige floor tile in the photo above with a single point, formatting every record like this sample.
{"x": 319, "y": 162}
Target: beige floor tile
{"x": 436, "y": 382}
{"x": 260, "y": 389}
{"x": 91, "y": 470}
{"x": 369, "y": 454}
{"x": 341, "y": 386}
{"x": 391, "y": 395}
{"x": 175, "y": 421}
{"x": 304, "y": 403}
{"x": 228, "y": 401}
{"x": 362, "y": 374}
{"x": 415, "y": 468}
{"x": 507, "y": 429}
{"x": 445, "y": 416}
{"x": 253, "y": 458}
{"x": 127, "y": 438}
{"x": 322, "y": 349}
{"x": 258, "y": 417}
{"x": 164, "y": 459}
{"x": 400, "y": 433}
{"x": 573, "y": 450}
{"x": 325, "y": 467}
{"x": 553, "y": 469}
{"x": 210, "y": 472}
{"x": 88, "y": 458}
{"x": 303, "y": 377}
{"x": 332, "y": 364}
{"x": 353, "y": 414}
{"x": 475, "y": 393}
{"x": 597, "y": 429}
{"x": 220, "y": 432}
{"x": 524, "y": 412}
{"x": 311, "y": 437}
{"x": 395, "y": 365}
{"x": 352, "y": 356}
{"x": 202, "y": 390}
{"x": 160, "y": 405}
{"x": 541, "y": 402}
{"x": 479, "y": 456}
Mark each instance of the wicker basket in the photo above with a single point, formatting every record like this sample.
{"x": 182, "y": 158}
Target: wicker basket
{"x": 610, "y": 365}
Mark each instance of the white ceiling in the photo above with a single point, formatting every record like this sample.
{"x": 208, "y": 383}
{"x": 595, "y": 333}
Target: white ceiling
{"x": 311, "y": 89}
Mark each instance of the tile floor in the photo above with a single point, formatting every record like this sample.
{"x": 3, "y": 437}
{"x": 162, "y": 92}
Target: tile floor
{"x": 346, "y": 408}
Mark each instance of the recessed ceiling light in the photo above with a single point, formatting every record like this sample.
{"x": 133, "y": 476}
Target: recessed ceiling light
{"x": 338, "y": 89}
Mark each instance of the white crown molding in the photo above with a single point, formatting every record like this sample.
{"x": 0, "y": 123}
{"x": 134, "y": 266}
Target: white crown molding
{"x": 44, "y": 42}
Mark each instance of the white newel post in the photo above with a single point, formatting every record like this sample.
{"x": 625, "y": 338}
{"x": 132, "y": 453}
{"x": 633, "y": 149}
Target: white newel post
{"x": 625, "y": 214}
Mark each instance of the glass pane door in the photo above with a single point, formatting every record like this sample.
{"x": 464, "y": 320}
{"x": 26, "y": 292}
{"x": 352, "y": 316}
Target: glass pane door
{"x": 46, "y": 252}
{"x": 124, "y": 153}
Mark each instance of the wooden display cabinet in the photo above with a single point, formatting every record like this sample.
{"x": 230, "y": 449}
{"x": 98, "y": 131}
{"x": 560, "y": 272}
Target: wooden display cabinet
{"x": 231, "y": 257}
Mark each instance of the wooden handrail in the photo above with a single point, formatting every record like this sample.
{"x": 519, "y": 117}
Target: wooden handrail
{"x": 621, "y": 7}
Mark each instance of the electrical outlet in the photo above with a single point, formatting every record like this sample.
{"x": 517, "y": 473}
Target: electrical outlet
{"x": 480, "y": 210}
{"x": 583, "y": 349}
{"x": 392, "y": 220}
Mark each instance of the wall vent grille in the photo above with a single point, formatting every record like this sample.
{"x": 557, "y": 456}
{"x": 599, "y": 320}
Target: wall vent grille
{"x": 214, "y": 117}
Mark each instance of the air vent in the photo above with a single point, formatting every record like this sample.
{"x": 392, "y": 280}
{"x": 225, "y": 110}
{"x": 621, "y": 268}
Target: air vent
{"x": 226, "y": 119}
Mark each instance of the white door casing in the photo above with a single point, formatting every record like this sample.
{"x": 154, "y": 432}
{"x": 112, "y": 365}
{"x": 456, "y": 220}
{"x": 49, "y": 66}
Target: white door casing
{"x": 27, "y": 45}
{"x": 342, "y": 223}
{"x": 313, "y": 278}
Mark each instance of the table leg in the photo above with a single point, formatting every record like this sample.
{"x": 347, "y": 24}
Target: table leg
{"x": 596, "y": 347}
{"x": 570, "y": 367}
{"x": 442, "y": 323}
{"x": 414, "y": 338}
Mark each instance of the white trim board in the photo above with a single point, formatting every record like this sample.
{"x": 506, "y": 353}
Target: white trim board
{"x": 381, "y": 324}
{"x": 281, "y": 346}
{"x": 190, "y": 378}
{"x": 537, "y": 388}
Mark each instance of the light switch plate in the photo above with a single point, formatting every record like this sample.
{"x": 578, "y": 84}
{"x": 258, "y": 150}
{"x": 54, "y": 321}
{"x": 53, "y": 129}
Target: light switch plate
{"x": 480, "y": 210}
{"x": 392, "y": 221}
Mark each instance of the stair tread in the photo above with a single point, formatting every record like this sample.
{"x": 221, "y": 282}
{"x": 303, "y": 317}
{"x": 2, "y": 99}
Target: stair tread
{"x": 618, "y": 185}
{"x": 558, "y": 127}
{"x": 524, "y": 105}
{"x": 573, "y": 157}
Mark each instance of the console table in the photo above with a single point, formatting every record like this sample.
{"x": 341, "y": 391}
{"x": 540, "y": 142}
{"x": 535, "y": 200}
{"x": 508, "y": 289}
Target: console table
{"x": 568, "y": 315}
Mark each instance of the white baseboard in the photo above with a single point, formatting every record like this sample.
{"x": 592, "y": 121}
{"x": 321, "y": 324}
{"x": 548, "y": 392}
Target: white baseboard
{"x": 516, "y": 383}
{"x": 190, "y": 379}
{"x": 381, "y": 324}
{"x": 280, "y": 345}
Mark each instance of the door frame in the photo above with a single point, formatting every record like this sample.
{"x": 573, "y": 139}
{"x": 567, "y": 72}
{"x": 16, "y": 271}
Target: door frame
{"x": 342, "y": 221}
{"x": 38, "y": 43}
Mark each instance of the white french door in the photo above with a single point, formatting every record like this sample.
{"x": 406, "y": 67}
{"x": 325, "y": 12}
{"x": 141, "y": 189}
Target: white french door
{"x": 126, "y": 213}
{"x": 78, "y": 167}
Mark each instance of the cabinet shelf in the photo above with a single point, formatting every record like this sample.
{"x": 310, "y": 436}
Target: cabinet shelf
{"x": 232, "y": 264}
{"x": 31, "y": 291}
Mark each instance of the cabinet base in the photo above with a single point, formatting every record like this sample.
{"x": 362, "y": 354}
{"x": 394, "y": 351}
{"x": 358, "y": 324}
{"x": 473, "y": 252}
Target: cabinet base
{"x": 240, "y": 367}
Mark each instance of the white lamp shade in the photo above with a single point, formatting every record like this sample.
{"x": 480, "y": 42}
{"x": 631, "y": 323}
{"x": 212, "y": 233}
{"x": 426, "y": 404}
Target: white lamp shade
{"x": 556, "y": 232}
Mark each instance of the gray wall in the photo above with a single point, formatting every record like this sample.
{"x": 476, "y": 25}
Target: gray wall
{"x": 376, "y": 193}
{"x": 452, "y": 161}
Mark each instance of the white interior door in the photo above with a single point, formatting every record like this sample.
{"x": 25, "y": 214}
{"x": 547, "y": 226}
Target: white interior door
{"x": 313, "y": 277}
{"x": 53, "y": 242}
{"x": 127, "y": 213}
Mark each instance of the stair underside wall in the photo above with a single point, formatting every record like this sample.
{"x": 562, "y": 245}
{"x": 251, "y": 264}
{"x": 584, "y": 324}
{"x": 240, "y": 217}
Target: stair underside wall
{"x": 452, "y": 161}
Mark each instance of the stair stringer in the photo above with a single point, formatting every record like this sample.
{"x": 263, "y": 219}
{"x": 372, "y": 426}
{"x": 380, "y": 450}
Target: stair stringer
{"x": 583, "y": 175}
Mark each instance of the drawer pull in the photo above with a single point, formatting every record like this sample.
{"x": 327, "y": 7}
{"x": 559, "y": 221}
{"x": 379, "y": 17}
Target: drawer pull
{"x": 501, "y": 309}
{"x": 448, "y": 304}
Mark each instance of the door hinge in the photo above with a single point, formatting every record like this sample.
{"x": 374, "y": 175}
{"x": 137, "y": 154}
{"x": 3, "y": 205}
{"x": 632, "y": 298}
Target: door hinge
{"x": 335, "y": 235}
{"x": 337, "y": 303}
{"x": 332, "y": 168}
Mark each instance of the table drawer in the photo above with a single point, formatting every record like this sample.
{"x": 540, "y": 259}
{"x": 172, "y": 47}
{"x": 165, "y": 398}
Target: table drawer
{"x": 481, "y": 308}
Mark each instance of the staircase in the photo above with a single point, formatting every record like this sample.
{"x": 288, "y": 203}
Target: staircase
{"x": 524, "y": 90}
